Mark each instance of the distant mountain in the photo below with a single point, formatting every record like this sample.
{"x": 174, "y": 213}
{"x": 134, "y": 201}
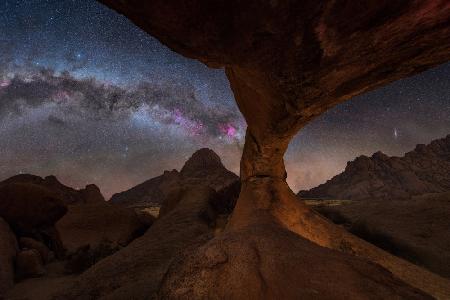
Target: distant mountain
{"x": 203, "y": 167}
{"x": 91, "y": 193}
{"x": 426, "y": 169}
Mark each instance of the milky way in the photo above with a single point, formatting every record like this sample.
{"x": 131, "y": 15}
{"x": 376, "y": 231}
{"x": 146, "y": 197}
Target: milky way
{"x": 90, "y": 98}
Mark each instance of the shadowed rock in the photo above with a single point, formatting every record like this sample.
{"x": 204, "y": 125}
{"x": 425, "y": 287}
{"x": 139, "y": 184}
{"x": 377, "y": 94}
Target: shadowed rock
{"x": 204, "y": 167}
{"x": 135, "y": 272}
{"x": 29, "y": 208}
{"x": 94, "y": 223}
{"x": 90, "y": 194}
{"x": 8, "y": 253}
{"x": 416, "y": 229}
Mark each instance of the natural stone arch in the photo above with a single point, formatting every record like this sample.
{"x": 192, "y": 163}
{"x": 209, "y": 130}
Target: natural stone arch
{"x": 289, "y": 61}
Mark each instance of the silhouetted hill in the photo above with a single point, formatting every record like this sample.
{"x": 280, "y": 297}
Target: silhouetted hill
{"x": 426, "y": 169}
{"x": 91, "y": 193}
{"x": 203, "y": 167}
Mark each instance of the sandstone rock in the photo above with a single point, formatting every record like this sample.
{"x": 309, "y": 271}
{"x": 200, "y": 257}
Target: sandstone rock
{"x": 415, "y": 229}
{"x": 423, "y": 170}
{"x": 29, "y": 264}
{"x": 204, "y": 167}
{"x": 28, "y": 207}
{"x": 29, "y": 243}
{"x": 67, "y": 194}
{"x": 137, "y": 270}
{"x": 8, "y": 252}
{"x": 288, "y": 62}
{"x": 269, "y": 262}
{"x": 92, "y": 223}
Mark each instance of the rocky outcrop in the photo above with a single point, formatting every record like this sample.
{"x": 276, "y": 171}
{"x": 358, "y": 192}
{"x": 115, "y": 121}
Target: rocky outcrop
{"x": 91, "y": 193}
{"x": 426, "y": 169}
{"x": 288, "y": 62}
{"x": 203, "y": 167}
{"x": 96, "y": 223}
{"x": 8, "y": 252}
{"x": 262, "y": 263}
{"x": 137, "y": 270}
{"x": 29, "y": 264}
{"x": 29, "y": 243}
{"x": 416, "y": 229}
{"x": 29, "y": 208}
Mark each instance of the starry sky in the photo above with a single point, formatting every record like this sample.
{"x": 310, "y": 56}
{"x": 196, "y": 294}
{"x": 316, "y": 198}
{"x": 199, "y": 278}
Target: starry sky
{"x": 87, "y": 96}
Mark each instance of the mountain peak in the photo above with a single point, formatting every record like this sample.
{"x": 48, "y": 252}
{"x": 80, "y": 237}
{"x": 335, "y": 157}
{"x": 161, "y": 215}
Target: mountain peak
{"x": 202, "y": 159}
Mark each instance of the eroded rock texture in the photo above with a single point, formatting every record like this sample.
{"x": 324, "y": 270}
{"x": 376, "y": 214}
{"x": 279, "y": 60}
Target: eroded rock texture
{"x": 287, "y": 62}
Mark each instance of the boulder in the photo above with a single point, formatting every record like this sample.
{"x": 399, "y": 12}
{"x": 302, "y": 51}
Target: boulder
{"x": 8, "y": 252}
{"x": 93, "y": 223}
{"x": 135, "y": 272}
{"x": 28, "y": 207}
{"x": 30, "y": 243}
{"x": 29, "y": 264}
{"x": 91, "y": 193}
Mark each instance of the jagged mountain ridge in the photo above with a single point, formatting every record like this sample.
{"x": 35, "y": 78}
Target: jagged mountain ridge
{"x": 426, "y": 169}
{"x": 203, "y": 167}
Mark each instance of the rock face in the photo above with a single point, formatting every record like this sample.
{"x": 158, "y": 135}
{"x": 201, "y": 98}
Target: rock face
{"x": 426, "y": 169}
{"x": 97, "y": 223}
{"x": 416, "y": 229}
{"x": 262, "y": 263}
{"x": 91, "y": 193}
{"x": 135, "y": 272}
{"x": 204, "y": 167}
{"x": 29, "y": 243}
{"x": 29, "y": 264}
{"x": 8, "y": 252}
{"x": 288, "y": 62}
{"x": 29, "y": 207}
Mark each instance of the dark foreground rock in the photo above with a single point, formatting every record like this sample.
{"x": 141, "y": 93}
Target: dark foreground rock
{"x": 29, "y": 264}
{"x": 136, "y": 271}
{"x": 30, "y": 207}
{"x": 269, "y": 262}
{"x": 8, "y": 253}
{"x": 67, "y": 194}
{"x": 415, "y": 229}
{"x": 98, "y": 223}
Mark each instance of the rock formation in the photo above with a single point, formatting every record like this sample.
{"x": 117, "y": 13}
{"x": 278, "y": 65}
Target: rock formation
{"x": 8, "y": 253}
{"x": 97, "y": 223}
{"x": 32, "y": 211}
{"x": 288, "y": 62}
{"x": 426, "y": 169}
{"x": 29, "y": 264}
{"x": 136, "y": 271}
{"x": 69, "y": 195}
{"x": 416, "y": 229}
{"x": 203, "y": 167}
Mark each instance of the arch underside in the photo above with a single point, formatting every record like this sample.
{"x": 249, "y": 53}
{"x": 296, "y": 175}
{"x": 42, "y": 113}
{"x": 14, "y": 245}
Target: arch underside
{"x": 288, "y": 62}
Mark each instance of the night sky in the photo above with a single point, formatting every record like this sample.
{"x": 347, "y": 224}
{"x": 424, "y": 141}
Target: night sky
{"x": 90, "y": 98}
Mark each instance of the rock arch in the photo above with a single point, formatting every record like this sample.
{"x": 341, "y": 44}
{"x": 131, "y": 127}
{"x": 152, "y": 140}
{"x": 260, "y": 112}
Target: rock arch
{"x": 288, "y": 62}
